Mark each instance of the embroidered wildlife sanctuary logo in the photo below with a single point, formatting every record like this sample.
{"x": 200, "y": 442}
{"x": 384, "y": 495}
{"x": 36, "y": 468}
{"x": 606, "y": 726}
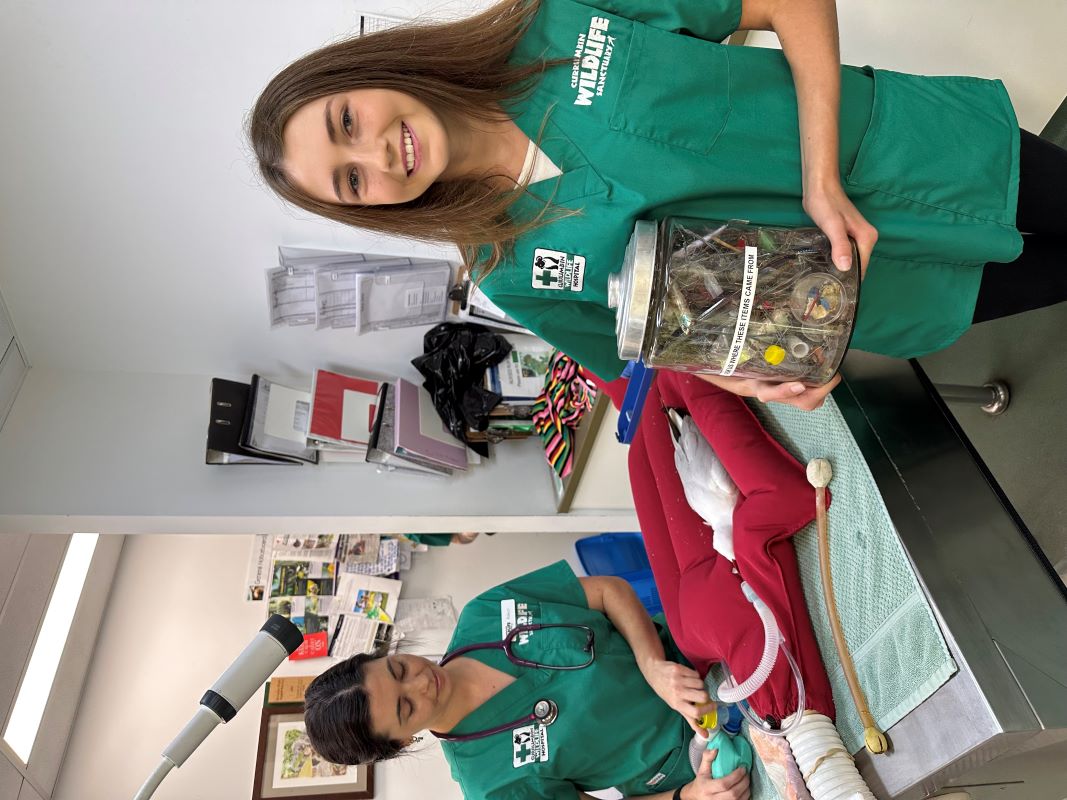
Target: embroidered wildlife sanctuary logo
{"x": 592, "y": 57}
{"x": 554, "y": 269}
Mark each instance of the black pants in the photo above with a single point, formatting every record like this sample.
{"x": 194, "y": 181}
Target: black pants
{"x": 1038, "y": 277}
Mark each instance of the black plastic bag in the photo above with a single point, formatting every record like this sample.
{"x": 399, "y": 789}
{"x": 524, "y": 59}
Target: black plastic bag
{"x": 453, "y": 364}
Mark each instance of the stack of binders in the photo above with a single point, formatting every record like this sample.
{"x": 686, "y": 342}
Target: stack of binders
{"x": 343, "y": 410}
{"x": 263, "y": 422}
{"x": 409, "y": 436}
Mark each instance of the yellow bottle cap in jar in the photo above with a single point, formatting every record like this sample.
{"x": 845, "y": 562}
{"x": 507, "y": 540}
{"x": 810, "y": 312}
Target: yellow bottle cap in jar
{"x": 774, "y": 354}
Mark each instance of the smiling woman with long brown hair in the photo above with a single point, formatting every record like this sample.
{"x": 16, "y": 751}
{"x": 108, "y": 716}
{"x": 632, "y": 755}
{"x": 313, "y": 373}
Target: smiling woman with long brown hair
{"x": 534, "y": 134}
{"x": 454, "y": 77}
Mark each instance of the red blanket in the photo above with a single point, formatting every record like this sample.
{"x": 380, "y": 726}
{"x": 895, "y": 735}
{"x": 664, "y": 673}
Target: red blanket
{"x": 706, "y": 612}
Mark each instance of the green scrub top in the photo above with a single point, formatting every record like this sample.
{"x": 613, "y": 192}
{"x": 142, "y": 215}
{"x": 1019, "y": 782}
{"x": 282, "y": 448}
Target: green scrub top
{"x": 650, "y": 117}
{"x": 612, "y": 730}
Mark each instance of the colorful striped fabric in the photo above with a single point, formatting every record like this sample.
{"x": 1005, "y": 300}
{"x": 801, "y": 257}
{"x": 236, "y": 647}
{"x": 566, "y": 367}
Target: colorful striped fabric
{"x": 568, "y": 394}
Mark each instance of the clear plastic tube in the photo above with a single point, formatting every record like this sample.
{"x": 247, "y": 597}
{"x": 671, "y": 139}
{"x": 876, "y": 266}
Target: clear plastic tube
{"x": 761, "y": 725}
{"x": 697, "y": 745}
{"x": 732, "y": 692}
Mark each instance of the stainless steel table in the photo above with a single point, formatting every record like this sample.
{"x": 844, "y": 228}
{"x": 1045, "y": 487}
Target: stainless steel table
{"x": 1002, "y": 609}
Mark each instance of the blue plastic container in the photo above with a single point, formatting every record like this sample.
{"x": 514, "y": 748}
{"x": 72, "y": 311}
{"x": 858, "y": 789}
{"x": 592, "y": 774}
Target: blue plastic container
{"x": 622, "y": 555}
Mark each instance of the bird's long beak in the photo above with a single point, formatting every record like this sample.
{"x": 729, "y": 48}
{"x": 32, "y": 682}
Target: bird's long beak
{"x": 674, "y": 419}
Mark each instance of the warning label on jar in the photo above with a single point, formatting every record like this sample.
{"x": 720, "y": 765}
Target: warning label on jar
{"x": 744, "y": 312}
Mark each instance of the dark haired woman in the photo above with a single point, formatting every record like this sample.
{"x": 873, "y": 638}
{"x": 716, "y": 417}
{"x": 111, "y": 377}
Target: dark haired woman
{"x": 611, "y": 719}
{"x": 533, "y": 135}
{"x": 583, "y": 703}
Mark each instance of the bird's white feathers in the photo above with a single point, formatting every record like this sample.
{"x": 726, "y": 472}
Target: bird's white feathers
{"x": 708, "y": 486}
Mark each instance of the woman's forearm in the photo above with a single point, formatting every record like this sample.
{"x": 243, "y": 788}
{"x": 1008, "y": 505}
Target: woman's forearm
{"x": 807, "y": 30}
{"x": 616, "y": 598}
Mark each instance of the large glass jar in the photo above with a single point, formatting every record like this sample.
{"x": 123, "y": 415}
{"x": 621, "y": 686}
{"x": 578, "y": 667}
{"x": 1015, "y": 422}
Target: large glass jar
{"x": 730, "y": 298}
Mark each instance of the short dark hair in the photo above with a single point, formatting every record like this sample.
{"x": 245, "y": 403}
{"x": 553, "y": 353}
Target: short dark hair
{"x": 337, "y": 716}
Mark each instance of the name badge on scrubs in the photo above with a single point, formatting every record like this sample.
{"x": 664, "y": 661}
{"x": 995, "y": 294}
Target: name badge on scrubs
{"x": 556, "y": 269}
{"x": 513, "y": 614}
{"x": 529, "y": 745}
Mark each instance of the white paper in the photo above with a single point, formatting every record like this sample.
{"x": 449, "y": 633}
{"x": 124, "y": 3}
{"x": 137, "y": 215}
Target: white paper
{"x": 476, "y": 297}
{"x": 353, "y": 634}
{"x": 483, "y": 310}
{"x": 337, "y": 292}
{"x": 364, "y": 611}
{"x": 387, "y": 563}
{"x": 322, "y": 547}
{"x": 369, "y": 23}
{"x": 258, "y": 573}
{"x": 426, "y": 626}
{"x": 337, "y": 298}
{"x": 425, "y": 614}
{"x": 413, "y": 295}
{"x": 356, "y": 421}
{"x": 287, "y": 413}
{"x": 316, "y": 257}
{"x": 359, "y": 548}
{"x": 404, "y": 553}
{"x": 291, "y": 296}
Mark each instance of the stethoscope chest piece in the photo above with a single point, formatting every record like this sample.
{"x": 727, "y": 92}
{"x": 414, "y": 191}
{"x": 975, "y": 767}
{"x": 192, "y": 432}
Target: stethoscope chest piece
{"x": 545, "y": 712}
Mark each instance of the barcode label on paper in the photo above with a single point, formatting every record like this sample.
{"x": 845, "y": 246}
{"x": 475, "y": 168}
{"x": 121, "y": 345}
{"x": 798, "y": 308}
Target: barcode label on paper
{"x": 413, "y": 298}
{"x": 300, "y": 416}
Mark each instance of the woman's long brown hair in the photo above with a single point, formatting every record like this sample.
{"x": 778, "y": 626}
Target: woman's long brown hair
{"x": 455, "y": 67}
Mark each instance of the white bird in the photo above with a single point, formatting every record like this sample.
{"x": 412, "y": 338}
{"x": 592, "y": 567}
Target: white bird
{"x": 708, "y": 487}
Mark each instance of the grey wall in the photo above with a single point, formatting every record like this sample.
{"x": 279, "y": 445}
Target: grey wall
{"x": 134, "y": 237}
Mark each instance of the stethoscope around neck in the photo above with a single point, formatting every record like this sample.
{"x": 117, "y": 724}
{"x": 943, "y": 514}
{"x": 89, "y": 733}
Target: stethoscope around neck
{"x": 544, "y": 711}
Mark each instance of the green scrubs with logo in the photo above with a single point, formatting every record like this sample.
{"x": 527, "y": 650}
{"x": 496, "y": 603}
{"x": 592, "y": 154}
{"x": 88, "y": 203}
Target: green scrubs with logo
{"x": 612, "y": 729}
{"x": 648, "y": 117}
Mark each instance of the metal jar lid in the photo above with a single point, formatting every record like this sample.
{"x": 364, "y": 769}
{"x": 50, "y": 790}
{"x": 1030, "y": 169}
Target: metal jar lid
{"x": 630, "y": 291}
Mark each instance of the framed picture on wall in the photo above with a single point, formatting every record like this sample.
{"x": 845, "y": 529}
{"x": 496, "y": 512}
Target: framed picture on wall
{"x": 288, "y": 766}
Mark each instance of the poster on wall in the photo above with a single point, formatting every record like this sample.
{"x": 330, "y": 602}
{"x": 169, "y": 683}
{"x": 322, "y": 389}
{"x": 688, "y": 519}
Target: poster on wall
{"x": 322, "y": 547}
{"x": 302, "y": 592}
{"x": 363, "y": 614}
{"x": 258, "y": 573}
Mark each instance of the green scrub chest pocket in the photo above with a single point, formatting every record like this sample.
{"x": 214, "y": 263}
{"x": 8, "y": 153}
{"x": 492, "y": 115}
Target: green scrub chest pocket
{"x": 673, "y": 772}
{"x": 909, "y": 119}
{"x": 692, "y": 111}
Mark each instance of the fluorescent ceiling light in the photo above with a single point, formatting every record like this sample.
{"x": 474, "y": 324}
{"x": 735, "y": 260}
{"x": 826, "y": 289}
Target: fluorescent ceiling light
{"x": 25, "y": 719}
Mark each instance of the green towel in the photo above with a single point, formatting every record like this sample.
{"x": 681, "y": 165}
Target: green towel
{"x": 900, "y": 655}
